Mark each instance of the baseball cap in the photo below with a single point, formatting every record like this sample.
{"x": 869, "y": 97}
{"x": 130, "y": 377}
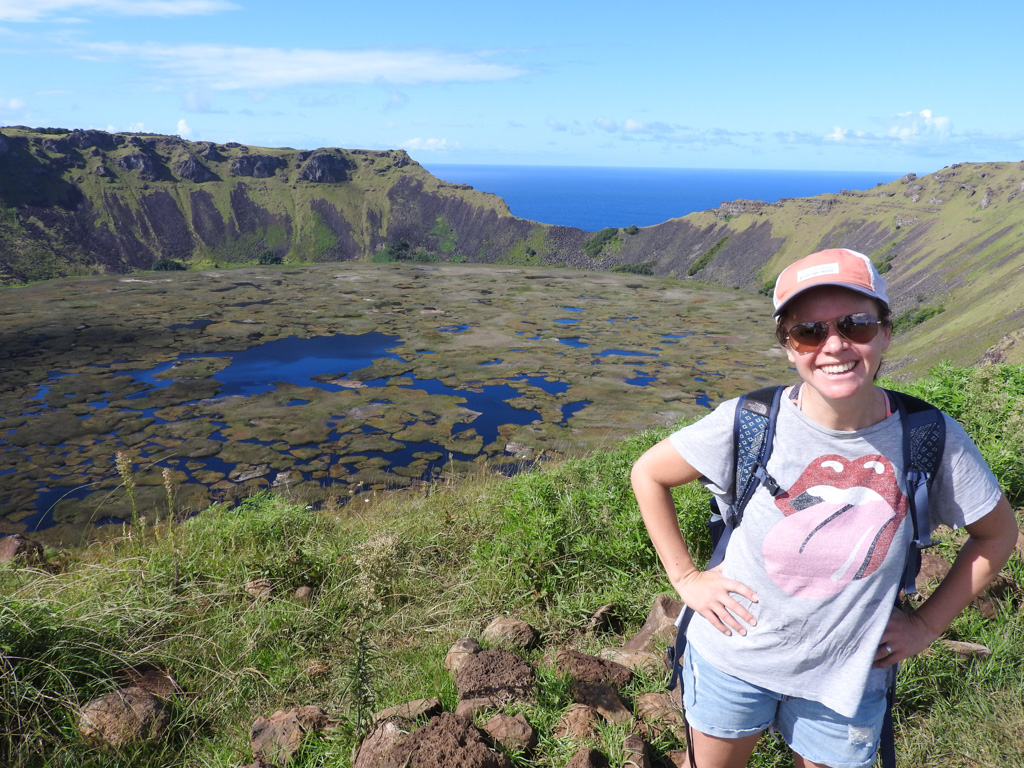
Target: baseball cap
{"x": 836, "y": 266}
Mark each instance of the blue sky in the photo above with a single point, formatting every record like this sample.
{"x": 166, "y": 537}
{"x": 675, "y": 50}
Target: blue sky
{"x": 878, "y": 86}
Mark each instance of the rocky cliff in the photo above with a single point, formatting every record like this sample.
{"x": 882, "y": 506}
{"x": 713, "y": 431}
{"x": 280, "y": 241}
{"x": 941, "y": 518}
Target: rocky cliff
{"x": 88, "y": 201}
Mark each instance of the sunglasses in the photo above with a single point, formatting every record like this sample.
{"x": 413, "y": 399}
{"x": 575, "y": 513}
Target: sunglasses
{"x": 860, "y": 328}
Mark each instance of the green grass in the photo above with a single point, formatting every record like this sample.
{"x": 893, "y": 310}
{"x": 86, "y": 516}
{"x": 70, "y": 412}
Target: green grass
{"x": 706, "y": 257}
{"x": 397, "y": 578}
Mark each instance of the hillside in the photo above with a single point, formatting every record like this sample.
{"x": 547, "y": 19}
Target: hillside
{"x": 82, "y": 202}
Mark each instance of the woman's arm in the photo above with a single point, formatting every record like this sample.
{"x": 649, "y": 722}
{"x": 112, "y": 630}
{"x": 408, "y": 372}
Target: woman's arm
{"x": 708, "y": 592}
{"x": 980, "y": 559}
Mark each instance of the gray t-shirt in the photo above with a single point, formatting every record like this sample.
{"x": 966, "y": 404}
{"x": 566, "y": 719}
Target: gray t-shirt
{"x": 825, "y": 556}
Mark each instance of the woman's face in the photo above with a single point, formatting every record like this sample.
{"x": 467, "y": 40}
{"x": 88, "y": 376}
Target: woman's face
{"x": 839, "y": 368}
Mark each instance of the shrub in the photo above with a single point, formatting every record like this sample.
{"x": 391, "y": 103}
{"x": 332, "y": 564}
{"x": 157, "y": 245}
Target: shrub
{"x": 269, "y": 257}
{"x": 169, "y": 265}
{"x": 598, "y": 242}
{"x": 912, "y": 317}
{"x": 644, "y": 268}
{"x": 704, "y": 260}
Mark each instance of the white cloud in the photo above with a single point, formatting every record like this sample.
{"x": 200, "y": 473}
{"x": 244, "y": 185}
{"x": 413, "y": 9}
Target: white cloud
{"x": 138, "y": 127}
{"x": 183, "y": 130}
{"x": 224, "y": 67}
{"x": 923, "y": 125}
{"x": 606, "y": 124}
{"x": 555, "y": 125}
{"x": 907, "y": 128}
{"x": 40, "y": 10}
{"x": 12, "y": 105}
{"x": 838, "y": 134}
{"x": 428, "y": 145}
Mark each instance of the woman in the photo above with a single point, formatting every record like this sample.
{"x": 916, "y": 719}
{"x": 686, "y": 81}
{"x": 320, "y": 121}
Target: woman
{"x": 796, "y": 628}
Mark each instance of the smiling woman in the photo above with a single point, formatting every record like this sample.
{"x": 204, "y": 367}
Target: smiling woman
{"x": 794, "y": 624}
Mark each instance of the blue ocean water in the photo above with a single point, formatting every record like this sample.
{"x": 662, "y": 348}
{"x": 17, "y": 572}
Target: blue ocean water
{"x": 594, "y": 198}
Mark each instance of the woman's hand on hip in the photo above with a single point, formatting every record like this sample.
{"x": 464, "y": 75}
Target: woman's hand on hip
{"x": 905, "y": 635}
{"x": 710, "y": 594}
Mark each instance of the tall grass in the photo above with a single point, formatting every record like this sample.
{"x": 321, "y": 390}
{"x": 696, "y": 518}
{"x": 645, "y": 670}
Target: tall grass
{"x": 397, "y": 579}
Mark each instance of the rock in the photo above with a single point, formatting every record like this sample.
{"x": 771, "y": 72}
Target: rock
{"x": 519, "y": 450}
{"x": 578, "y": 722}
{"x": 933, "y": 570}
{"x": 411, "y": 710}
{"x": 123, "y": 717}
{"x": 457, "y": 655}
{"x": 1001, "y": 588}
{"x": 326, "y": 169}
{"x": 588, "y": 758}
{"x": 257, "y": 166}
{"x": 188, "y": 167}
{"x": 284, "y": 479}
{"x": 276, "y": 739}
{"x": 24, "y": 551}
{"x": 496, "y": 675}
{"x": 375, "y": 747}
{"x": 316, "y": 669}
{"x": 604, "y": 699}
{"x": 582, "y": 667}
{"x": 57, "y": 146}
{"x": 245, "y": 472}
{"x": 150, "y": 678}
{"x": 650, "y": 662}
{"x": 92, "y": 139}
{"x": 471, "y": 707}
{"x": 966, "y": 650}
{"x": 508, "y": 632}
{"x": 142, "y": 164}
{"x": 261, "y": 588}
{"x": 303, "y": 594}
{"x": 660, "y": 712}
{"x": 634, "y": 753}
{"x": 604, "y": 620}
{"x": 447, "y": 741}
{"x": 514, "y": 733}
{"x": 210, "y": 152}
{"x": 659, "y": 630}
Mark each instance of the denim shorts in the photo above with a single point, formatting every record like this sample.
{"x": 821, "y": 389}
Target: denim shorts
{"x": 724, "y": 706}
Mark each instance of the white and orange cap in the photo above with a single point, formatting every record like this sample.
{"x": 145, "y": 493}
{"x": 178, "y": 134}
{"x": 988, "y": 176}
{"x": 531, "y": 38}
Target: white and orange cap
{"x": 836, "y": 266}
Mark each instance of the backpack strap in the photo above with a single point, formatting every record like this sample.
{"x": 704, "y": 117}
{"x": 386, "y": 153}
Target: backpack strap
{"x": 924, "y": 440}
{"x": 753, "y": 435}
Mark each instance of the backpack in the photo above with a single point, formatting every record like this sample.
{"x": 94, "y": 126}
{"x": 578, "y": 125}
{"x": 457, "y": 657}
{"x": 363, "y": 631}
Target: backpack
{"x": 924, "y": 438}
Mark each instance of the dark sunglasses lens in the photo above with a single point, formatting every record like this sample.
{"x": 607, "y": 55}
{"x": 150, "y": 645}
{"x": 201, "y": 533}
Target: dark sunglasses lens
{"x": 808, "y": 336}
{"x": 859, "y": 328}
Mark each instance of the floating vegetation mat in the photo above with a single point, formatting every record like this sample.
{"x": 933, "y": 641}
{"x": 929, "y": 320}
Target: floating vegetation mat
{"x": 335, "y": 380}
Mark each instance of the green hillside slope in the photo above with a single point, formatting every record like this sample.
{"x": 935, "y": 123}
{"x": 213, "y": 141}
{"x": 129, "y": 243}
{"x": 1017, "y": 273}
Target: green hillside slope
{"x": 84, "y": 202}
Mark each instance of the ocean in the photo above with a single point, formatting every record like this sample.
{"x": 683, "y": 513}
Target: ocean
{"x": 595, "y": 198}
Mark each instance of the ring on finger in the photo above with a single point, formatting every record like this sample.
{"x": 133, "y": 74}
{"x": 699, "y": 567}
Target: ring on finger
{"x": 888, "y": 649}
